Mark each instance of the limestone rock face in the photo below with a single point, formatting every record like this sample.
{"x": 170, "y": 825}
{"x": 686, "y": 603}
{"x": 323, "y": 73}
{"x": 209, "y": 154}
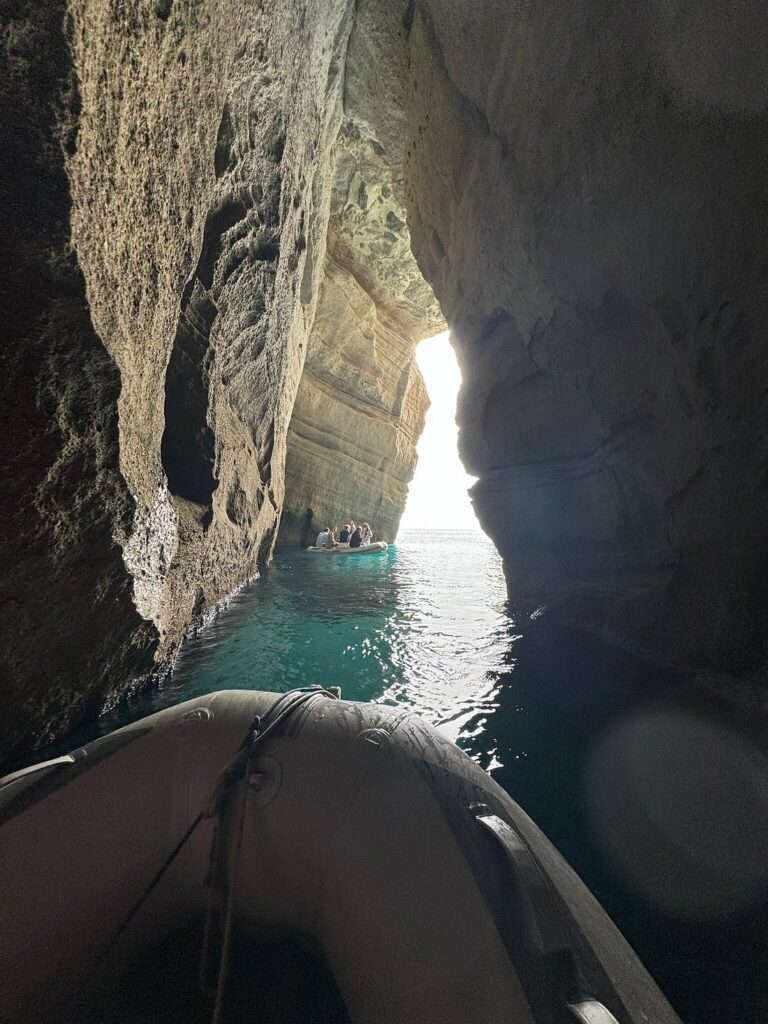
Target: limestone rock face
{"x": 361, "y": 402}
{"x": 358, "y": 414}
{"x": 169, "y": 174}
{"x": 586, "y": 194}
{"x": 69, "y": 624}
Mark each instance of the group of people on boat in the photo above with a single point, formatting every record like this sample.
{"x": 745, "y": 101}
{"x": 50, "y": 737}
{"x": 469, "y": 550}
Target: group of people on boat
{"x": 350, "y": 536}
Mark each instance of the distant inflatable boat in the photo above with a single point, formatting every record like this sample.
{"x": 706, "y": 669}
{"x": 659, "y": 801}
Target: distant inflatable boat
{"x": 376, "y": 548}
{"x": 432, "y": 896}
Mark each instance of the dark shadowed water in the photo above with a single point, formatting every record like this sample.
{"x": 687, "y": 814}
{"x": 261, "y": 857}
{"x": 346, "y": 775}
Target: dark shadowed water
{"x": 661, "y": 808}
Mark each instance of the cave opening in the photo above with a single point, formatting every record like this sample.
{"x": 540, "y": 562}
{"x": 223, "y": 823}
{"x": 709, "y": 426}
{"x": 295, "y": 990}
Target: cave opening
{"x": 438, "y": 497}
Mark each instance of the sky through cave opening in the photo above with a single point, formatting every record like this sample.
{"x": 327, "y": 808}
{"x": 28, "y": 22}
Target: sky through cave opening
{"x": 437, "y": 497}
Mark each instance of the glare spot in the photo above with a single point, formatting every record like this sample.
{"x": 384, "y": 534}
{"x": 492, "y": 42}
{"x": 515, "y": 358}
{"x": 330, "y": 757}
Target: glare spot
{"x": 679, "y": 809}
{"x": 437, "y": 498}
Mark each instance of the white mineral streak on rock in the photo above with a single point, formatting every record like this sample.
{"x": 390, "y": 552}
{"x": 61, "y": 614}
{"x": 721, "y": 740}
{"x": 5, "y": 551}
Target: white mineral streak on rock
{"x": 149, "y": 551}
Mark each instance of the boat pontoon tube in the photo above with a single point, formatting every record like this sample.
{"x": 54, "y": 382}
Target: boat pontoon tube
{"x": 434, "y": 897}
{"x": 376, "y": 548}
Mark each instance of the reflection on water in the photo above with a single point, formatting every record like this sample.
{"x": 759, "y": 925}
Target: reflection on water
{"x": 427, "y": 626}
{"x": 423, "y": 625}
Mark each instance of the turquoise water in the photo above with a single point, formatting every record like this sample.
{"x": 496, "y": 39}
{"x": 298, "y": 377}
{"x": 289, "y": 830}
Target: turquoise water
{"x": 427, "y": 625}
{"x": 423, "y": 625}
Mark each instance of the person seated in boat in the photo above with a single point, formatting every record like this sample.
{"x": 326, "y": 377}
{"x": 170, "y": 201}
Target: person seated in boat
{"x": 367, "y": 536}
{"x": 344, "y": 535}
{"x": 330, "y": 540}
{"x": 356, "y": 538}
{"x": 322, "y": 537}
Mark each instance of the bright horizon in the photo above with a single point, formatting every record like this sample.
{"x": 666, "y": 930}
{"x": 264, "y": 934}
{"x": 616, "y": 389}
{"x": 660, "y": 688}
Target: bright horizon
{"x": 437, "y": 497}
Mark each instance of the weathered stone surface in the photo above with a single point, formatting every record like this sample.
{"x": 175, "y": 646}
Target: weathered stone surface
{"x": 68, "y": 622}
{"x": 361, "y": 402}
{"x": 173, "y": 168}
{"x": 358, "y": 414}
{"x": 586, "y": 194}
{"x": 170, "y": 172}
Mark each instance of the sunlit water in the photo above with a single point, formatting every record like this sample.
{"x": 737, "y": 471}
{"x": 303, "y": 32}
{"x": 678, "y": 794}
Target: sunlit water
{"x": 427, "y": 626}
{"x": 423, "y": 625}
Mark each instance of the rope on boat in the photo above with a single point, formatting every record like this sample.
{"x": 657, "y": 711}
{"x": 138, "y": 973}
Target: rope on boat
{"x": 234, "y": 772}
{"x": 224, "y": 869}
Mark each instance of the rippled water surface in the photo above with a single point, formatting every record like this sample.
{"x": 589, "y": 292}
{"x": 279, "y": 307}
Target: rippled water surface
{"x": 426, "y": 625}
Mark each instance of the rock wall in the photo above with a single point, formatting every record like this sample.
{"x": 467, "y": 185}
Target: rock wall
{"x": 586, "y": 194}
{"x": 168, "y": 171}
{"x": 361, "y": 402}
{"x": 65, "y": 597}
{"x": 358, "y": 414}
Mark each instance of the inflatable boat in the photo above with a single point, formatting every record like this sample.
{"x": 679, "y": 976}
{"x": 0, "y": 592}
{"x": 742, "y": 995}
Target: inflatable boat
{"x": 366, "y": 549}
{"x": 433, "y": 898}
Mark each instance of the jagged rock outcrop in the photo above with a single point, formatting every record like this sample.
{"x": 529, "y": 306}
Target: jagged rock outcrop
{"x": 586, "y": 193}
{"x": 168, "y": 170}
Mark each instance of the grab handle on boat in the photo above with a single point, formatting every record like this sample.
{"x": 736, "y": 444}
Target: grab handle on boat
{"x": 545, "y": 925}
{"x": 22, "y": 773}
{"x": 591, "y": 1012}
